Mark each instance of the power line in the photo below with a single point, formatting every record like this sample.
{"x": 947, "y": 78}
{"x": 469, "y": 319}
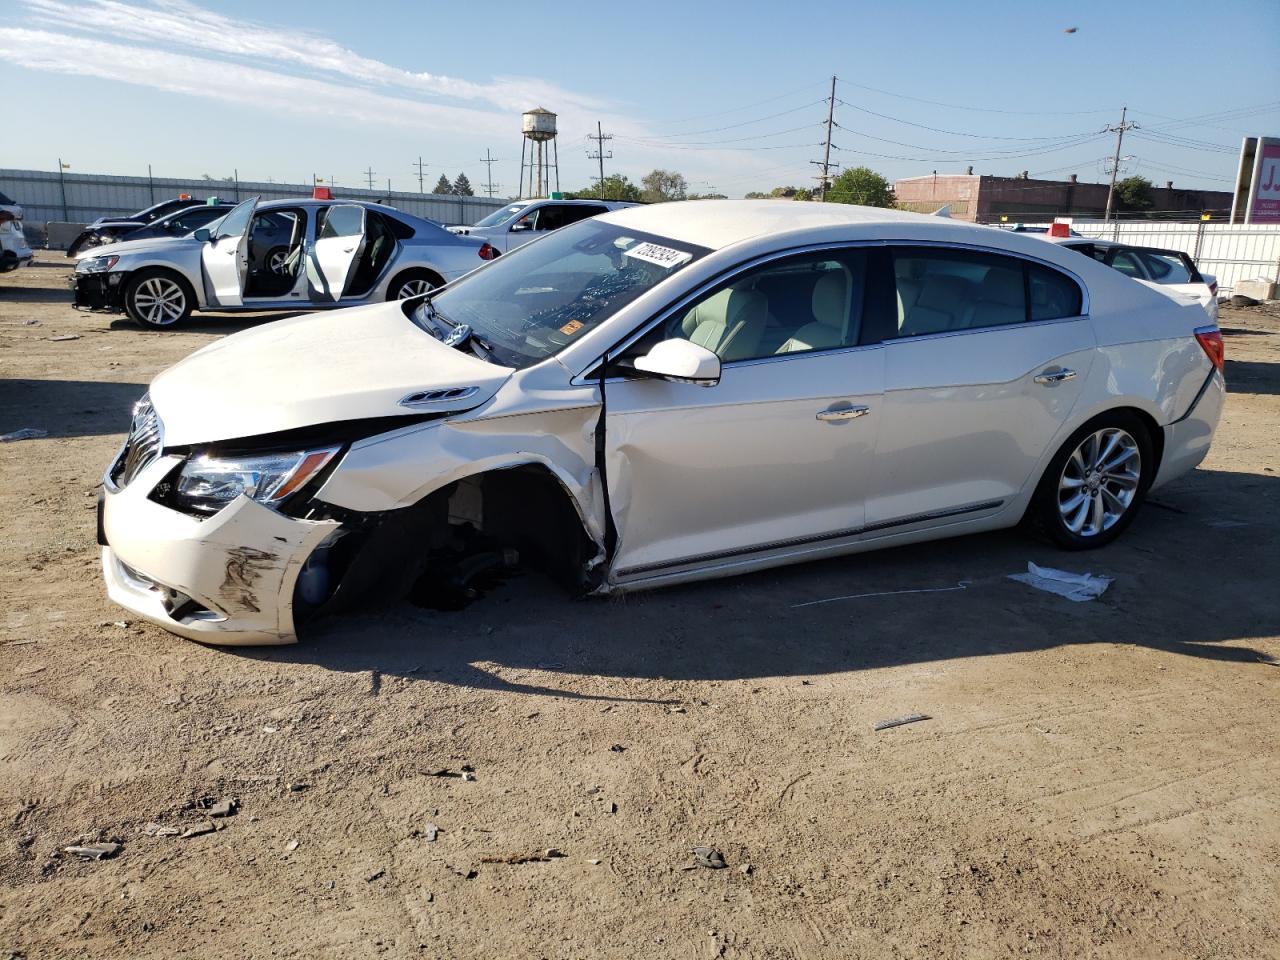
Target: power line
{"x": 1012, "y": 151}
{"x": 960, "y": 106}
{"x": 954, "y": 133}
{"x": 757, "y": 136}
{"x": 750, "y": 106}
{"x": 734, "y": 126}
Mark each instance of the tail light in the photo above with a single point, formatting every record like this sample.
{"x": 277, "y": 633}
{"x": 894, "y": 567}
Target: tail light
{"x": 487, "y": 252}
{"x": 1210, "y": 340}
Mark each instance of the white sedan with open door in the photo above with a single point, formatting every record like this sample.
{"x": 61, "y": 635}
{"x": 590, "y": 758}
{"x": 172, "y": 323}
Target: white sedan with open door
{"x": 656, "y": 395}
{"x": 281, "y": 255}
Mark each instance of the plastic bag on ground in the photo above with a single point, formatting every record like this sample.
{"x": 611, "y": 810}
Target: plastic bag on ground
{"x": 1074, "y": 586}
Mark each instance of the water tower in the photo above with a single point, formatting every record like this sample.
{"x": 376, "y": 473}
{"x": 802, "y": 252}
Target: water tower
{"x": 539, "y": 129}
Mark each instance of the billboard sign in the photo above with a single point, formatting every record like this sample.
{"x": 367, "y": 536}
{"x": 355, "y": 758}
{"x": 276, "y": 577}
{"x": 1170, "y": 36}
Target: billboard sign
{"x": 1258, "y": 182}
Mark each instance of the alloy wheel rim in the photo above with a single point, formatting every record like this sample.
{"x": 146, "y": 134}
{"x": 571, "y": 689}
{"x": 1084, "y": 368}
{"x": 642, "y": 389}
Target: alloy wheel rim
{"x": 412, "y": 288}
{"x": 159, "y": 301}
{"x": 276, "y": 262}
{"x": 1099, "y": 481}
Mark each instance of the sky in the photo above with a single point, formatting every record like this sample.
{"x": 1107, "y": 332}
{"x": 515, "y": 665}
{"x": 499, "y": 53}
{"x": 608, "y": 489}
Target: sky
{"x": 730, "y": 94}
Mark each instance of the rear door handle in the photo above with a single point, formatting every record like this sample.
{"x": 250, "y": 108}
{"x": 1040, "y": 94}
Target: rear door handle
{"x": 839, "y": 414}
{"x": 1050, "y": 377}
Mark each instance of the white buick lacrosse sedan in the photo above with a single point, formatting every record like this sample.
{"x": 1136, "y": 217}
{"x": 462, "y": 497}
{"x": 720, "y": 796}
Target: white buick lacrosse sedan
{"x": 656, "y": 395}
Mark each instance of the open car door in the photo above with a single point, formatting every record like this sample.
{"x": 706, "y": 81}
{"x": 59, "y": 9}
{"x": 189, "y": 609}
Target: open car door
{"x": 226, "y": 254}
{"x": 336, "y": 252}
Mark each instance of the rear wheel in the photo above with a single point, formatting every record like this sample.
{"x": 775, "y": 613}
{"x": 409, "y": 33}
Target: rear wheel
{"x": 1096, "y": 482}
{"x": 412, "y": 283}
{"x": 158, "y": 299}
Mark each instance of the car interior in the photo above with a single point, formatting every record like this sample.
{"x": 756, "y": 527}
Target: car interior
{"x": 379, "y": 245}
{"x": 275, "y": 251}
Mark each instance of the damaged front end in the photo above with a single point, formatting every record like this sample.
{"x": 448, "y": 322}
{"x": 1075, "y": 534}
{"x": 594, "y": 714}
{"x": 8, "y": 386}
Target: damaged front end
{"x": 98, "y": 290}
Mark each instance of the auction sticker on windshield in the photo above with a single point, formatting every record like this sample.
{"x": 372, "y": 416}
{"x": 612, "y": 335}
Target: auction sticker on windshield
{"x": 662, "y": 256}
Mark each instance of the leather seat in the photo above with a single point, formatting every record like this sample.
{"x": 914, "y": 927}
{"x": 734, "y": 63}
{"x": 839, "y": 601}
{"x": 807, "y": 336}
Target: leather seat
{"x": 939, "y": 307}
{"x": 830, "y": 302}
{"x": 1000, "y": 300}
{"x": 730, "y": 323}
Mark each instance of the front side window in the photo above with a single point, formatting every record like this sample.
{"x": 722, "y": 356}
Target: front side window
{"x": 342, "y": 221}
{"x": 940, "y": 290}
{"x": 797, "y": 305}
{"x": 533, "y": 302}
{"x": 499, "y": 217}
{"x": 235, "y": 222}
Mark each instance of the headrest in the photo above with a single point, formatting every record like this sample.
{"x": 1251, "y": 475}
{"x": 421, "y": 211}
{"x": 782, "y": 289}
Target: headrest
{"x": 831, "y": 299}
{"x": 1002, "y": 286}
{"x": 941, "y": 291}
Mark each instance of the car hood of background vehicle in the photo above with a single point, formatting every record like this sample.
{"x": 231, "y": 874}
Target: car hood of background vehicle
{"x": 348, "y": 364}
{"x": 125, "y": 247}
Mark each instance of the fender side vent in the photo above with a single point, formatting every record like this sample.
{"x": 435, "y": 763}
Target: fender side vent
{"x": 420, "y": 398}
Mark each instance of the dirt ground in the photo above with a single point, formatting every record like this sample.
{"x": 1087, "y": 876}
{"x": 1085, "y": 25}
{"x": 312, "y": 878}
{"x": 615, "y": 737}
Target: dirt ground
{"x": 1097, "y": 779}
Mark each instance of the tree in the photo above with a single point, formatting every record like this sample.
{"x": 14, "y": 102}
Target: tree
{"x": 1134, "y": 193}
{"x": 783, "y": 193}
{"x": 706, "y": 196}
{"x": 462, "y": 186}
{"x": 443, "y": 186}
{"x": 662, "y": 185}
{"x": 616, "y": 187}
{"x": 863, "y": 186}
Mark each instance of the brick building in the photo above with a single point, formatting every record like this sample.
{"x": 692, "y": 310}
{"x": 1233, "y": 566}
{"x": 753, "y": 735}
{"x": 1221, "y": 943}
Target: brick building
{"x": 985, "y": 199}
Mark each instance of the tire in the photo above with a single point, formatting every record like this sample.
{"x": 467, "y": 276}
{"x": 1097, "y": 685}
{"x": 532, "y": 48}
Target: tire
{"x": 276, "y": 261}
{"x": 85, "y": 241}
{"x": 410, "y": 284}
{"x": 158, "y": 299}
{"x": 1080, "y": 506}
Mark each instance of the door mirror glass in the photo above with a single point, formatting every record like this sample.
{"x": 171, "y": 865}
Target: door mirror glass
{"x": 681, "y": 361}
{"x": 203, "y": 235}
{"x": 520, "y": 227}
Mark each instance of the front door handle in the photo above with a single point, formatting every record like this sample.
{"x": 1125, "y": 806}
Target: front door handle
{"x": 839, "y": 414}
{"x": 1050, "y": 377}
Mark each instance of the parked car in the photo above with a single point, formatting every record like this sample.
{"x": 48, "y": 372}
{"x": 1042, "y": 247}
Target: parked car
{"x": 178, "y": 224}
{"x": 1170, "y": 270}
{"x": 282, "y": 255}
{"x": 110, "y": 229}
{"x": 14, "y": 250}
{"x": 518, "y": 223}
{"x": 656, "y": 395}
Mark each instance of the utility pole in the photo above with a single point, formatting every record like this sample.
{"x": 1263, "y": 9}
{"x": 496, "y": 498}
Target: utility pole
{"x": 489, "y": 160}
{"x": 1115, "y": 163}
{"x": 599, "y": 154}
{"x": 369, "y": 176}
{"x": 62, "y": 182}
{"x": 825, "y": 179}
{"x": 421, "y": 166}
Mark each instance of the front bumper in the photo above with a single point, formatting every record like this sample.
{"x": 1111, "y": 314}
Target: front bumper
{"x": 98, "y": 291}
{"x": 228, "y": 579}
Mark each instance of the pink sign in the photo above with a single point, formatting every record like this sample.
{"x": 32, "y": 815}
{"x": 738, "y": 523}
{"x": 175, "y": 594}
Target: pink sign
{"x": 1266, "y": 194}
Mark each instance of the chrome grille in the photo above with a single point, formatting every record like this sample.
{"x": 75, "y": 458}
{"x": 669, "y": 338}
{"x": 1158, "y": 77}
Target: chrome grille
{"x": 146, "y": 439}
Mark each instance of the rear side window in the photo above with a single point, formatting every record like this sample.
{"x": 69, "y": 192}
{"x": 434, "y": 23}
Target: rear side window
{"x": 1127, "y": 263}
{"x": 940, "y": 290}
{"x": 1166, "y": 267}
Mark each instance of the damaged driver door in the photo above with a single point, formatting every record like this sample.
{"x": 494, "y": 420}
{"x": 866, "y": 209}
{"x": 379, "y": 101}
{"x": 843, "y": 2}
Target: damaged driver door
{"x": 336, "y": 253}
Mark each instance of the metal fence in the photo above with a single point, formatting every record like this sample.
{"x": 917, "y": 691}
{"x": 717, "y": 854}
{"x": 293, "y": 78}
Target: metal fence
{"x": 83, "y": 197}
{"x": 1230, "y": 252}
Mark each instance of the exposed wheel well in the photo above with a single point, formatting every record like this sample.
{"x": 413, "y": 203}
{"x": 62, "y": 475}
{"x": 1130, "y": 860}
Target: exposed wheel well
{"x": 524, "y": 507}
{"x": 399, "y": 278}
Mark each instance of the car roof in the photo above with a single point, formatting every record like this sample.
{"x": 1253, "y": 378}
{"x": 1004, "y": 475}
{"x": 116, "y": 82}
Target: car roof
{"x": 718, "y": 223}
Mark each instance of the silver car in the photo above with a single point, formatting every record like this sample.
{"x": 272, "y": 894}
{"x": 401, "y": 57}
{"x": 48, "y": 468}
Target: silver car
{"x": 281, "y": 255}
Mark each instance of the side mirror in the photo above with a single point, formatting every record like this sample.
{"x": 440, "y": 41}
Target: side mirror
{"x": 681, "y": 361}
{"x": 519, "y": 227}
{"x": 203, "y": 235}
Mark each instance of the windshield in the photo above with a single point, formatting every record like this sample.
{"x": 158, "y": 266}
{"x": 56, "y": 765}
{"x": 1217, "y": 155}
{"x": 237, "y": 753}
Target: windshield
{"x": 530, "y": 304}
{"x": 501, "y": 216}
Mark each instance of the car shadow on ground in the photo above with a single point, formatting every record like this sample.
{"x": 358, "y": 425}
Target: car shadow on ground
{"x": 35, "y": 295}
{"x": 68, "y": 408}
{"x": 1252, "y": 376}
{"x": 209, "y": 323}
{"x": 1177, "y": 572}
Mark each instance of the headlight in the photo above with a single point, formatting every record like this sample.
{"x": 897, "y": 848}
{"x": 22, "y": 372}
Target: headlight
{"x": 96, "y": 264}
{"x": 207, "y": 484}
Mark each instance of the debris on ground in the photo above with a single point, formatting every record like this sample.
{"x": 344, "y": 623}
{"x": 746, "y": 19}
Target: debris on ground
{"x": 709, "y": 857}
{"x": 224, "y": 808}
{"x": 376, "y": 875}
{"x": 64, "y": 337}
{"x": 1079, "y": 587}
{"x": 544, "y": 856}
{"x": 746, "y": 869}
{"x": 292, "y": 845}
{"x": 156, "y": 830}
{"x": 199, "y": 829}
{"x": 297, "y": 787}
{"x": 901, "y": 721}
{"x": 26, "y": 433}
{"x": 430, "y": 832}
{"x": 618, "y": 748}
{"x": 94, "y": 851}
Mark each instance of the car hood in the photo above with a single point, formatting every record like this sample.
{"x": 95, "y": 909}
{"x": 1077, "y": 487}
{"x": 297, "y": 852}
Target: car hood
{"x": 124, "y": 247}
{"x": 348, "y": 364}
